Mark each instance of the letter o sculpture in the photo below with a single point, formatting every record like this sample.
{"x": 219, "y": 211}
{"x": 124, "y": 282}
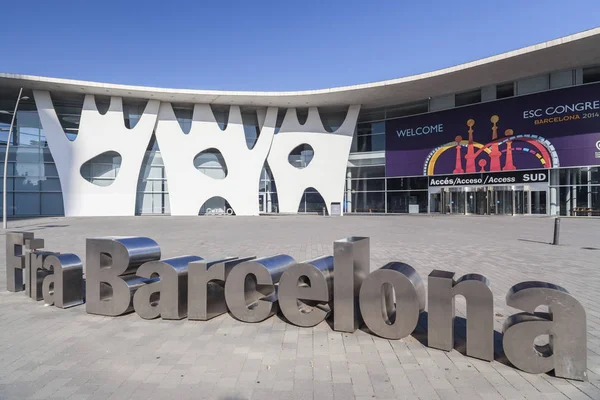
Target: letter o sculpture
{"x": 377, "y": 302}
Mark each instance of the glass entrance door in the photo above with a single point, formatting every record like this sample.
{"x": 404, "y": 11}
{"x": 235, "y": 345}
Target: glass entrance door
{"x": 453, "y": 202}
{"x": 435, "y": 203}
{"x": 499, "y": 200}
{"x": 503, "y": 201}
{"x": 477, "y": 201}
{"x": 521, "y": 199}
{"x": 538, "y": 202}
{"x": 489, "y": 200}
{"x": 446, "y": 203}
{"x": 458, "y": 202}
{"x": 481, "y": 200}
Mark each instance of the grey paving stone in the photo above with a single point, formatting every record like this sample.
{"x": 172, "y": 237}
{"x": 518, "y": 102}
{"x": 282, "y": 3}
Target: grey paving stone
{"x": 50, "y": 353}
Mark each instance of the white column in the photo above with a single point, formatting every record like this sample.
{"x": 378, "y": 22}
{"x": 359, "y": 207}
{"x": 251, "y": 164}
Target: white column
{"x": 554, "y": 193}
{"x": 574, "y": 188}
{"x": 589, "y": 187}
{"x": 349, "y": 192}
{"x": 568, "y": 202}
{"x": 385, "y": 195}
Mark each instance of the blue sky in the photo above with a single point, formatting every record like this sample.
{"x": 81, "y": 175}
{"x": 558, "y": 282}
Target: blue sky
{"x": 271, "y": 45}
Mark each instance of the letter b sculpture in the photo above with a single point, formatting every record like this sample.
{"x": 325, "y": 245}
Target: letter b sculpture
{"x": 110, "y": 272}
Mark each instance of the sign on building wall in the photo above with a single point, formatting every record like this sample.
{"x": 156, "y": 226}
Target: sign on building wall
{"x": 482, "y": 178}
{"x": 559, "y": 128}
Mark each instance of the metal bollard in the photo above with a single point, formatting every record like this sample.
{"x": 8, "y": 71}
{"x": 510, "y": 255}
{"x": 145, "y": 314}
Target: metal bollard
{"x": 324, "y": 212}
{"x": 556, "y": 239}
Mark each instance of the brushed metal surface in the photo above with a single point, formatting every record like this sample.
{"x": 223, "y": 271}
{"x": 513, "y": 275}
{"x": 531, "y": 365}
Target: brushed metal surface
{"x": 63, "y": 286}
{"x": 172, "y": 287}
{"x": 351, "y": 267}
{"x": 565, "y": 323}
{"x": 31, "y": 246}
{"x": 386, "y": 315}
{"x": 206, "y": 286}
{"x": 480, "y": 312}
{"x": 37, "y": 273}
{"x": 305, "y": 291}
{"x": 250, "y": 290}
{"x": 15, "y": 260}
{"x": 111, "y": 263}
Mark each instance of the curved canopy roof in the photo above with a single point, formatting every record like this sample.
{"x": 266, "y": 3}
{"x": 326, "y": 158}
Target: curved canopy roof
{"x": 568, "y": 52}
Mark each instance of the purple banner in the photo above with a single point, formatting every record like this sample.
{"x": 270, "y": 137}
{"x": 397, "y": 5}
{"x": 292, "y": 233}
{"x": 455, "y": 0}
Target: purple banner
{"x": 559, "y": 128}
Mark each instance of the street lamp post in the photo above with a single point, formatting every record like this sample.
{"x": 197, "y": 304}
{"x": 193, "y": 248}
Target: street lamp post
{"x": 14, "y": 114}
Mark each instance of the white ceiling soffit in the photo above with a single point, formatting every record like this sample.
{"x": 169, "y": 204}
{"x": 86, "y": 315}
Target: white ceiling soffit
{"x": 568, "y": 52}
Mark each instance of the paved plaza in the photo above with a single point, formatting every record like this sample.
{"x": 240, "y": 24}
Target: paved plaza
{"x": 46, "y": 352}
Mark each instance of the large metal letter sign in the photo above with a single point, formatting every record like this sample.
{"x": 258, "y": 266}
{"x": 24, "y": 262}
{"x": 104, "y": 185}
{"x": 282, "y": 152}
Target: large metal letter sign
{"x": 125, "y": 274}
{"x": 146, "y": 299}
{"x": 304, "y": 289}
{"x": 37, "y": 273}
{"x": 351, "y": 267}
{"x": 250, "y": 287}
{"x": 387, "y": 320}
{"x": 110, "y": 272}
{"x": 172, "y": 288}
{"x": 63, "y": 287}
{"x": 15, "y": 260}
{"x": 31, "y": 245}
{"x": 480, "y": 312}
{"x": 565, "y": 323}
{"x": 206, "y": 287}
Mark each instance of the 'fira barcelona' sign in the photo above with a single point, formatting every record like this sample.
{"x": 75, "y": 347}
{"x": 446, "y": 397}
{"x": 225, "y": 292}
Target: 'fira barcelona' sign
{"x": 127, "y": 274}
{"x": 559, "y": 128}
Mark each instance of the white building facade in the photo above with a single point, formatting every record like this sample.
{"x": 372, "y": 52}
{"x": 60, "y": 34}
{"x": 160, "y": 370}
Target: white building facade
{"x": 92, "y": 149}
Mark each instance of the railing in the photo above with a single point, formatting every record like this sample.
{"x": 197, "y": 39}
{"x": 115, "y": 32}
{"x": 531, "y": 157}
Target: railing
{"x": 584, "y": 212}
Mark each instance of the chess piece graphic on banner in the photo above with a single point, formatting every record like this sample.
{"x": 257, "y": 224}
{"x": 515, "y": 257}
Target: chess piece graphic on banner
{"x": 458, "y": 169}
{"x": 470, "y": 156}
{"x": 499, "y": 152}
{"x": 495, "y": 153}
{"x": 482, "y": 163}
{"x": 508, "y": 164}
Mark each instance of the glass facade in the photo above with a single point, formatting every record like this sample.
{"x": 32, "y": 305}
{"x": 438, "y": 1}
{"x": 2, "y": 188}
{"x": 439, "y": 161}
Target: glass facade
{"x": 34, "y": 188}
{"x": 571, "y": 191}
{"x": 370, "y": 128}
{"x": 370, "y": 136}
{"x": 32, "y": 178}
{"x": 575, "y": 191}
{"x": 102, "y": 170}
{"x": 267, "y": 192}
{"x": 369, "y": 191}
{"x": 152, "y": 190}
{"x": 466, "y": 98}
{"x": 311, "y": 202}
